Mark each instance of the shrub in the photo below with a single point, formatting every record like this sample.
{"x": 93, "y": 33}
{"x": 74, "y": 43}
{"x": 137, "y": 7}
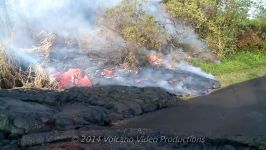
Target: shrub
{"x": 252, "y": 35}
{"x": 145, "y": 33}
{"x": 139, "y": 30}
{"x": 135, "y": 26}
{"x": 215, "y": 21}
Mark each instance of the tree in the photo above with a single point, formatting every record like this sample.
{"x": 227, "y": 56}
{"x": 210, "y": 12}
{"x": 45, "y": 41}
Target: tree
{"x": 214, "y": 20}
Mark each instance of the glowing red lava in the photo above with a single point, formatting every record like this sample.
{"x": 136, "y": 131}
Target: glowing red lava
{"x": 108, "y": 72}
{"x": 74, "y": 77}
{"x": 154, "y": 59}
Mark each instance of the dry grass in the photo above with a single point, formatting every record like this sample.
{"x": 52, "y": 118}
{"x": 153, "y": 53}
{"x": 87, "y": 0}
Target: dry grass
{"x": 47, "y": 45}
{"x": 11, "y": 75}
{"x": 38, "y": 78}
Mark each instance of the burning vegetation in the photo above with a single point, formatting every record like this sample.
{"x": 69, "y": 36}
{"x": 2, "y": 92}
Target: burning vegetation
{"x": 122, "y": 43}
{"x": 12, "y": 75}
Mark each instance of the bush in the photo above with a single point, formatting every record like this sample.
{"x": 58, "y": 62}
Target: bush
{"x": 252, "y": 35}
{"x": 145, "y": 33}
{"x": 133, "y": 57}
{"x": 215, "y": 21}
{"x": 140, "y": 30}
{"x": 135, "y": 26}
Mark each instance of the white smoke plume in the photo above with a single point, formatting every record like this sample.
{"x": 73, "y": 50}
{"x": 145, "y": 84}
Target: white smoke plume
{"x": 180, "y": 31}
{"x": 26, "y": 19}
{"x": 73, "y": 25}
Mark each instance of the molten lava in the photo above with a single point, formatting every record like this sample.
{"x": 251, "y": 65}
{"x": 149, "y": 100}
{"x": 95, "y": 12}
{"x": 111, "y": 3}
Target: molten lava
{"x": 154, "y": 59}
{"x": 74, "y": 77}
{"x": 108, "y": 72}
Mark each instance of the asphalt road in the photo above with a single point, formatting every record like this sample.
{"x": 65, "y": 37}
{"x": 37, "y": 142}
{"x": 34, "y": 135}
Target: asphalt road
{"x": 236, "y": 110}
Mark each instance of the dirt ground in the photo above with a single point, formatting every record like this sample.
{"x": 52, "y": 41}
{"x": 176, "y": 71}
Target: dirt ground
{"x": 236, "y": 110}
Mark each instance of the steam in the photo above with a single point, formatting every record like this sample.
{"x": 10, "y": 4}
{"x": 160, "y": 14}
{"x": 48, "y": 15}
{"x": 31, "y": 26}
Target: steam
{"x": 178, "y": 30}
{"x": 74, "y": 25}
{"x": 66, "y": 18}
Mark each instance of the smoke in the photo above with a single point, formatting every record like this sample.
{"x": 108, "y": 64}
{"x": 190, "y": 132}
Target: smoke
{"x": 28, "y": 19}
{"x": 69, "y": 29}
{"x": 180, "y": 32}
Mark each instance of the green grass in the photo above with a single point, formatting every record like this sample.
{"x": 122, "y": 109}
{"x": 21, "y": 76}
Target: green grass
{"x": 238, "y": 68}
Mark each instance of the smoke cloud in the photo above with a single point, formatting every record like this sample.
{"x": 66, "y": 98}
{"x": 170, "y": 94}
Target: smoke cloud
{"x": 182, "y": 33}
{"x": 71, "y": 30}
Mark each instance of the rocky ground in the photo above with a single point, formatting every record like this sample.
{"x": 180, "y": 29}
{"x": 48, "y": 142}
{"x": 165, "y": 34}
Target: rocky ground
{"x": 90, "y": 118}
{"x": 24, "y": 112}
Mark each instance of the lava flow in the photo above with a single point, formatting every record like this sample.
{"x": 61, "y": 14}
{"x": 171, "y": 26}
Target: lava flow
{"x": 80, "y": 48}
{"x": 71, "y": 78}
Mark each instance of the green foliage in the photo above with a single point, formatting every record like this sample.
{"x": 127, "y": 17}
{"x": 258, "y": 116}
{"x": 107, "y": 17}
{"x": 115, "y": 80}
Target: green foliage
{"x": 240, "y": 67}
{"x": 135, "y": 26}
{"x": 252, "y": 35}
{"x": 215, "y": 21}
{"x": 237, "y": 62}
{"x": 224, "y": 24}
{"x": 133, "y": 57}
{"x": 139, "y": 29}
{"x": 145, "y": 33}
